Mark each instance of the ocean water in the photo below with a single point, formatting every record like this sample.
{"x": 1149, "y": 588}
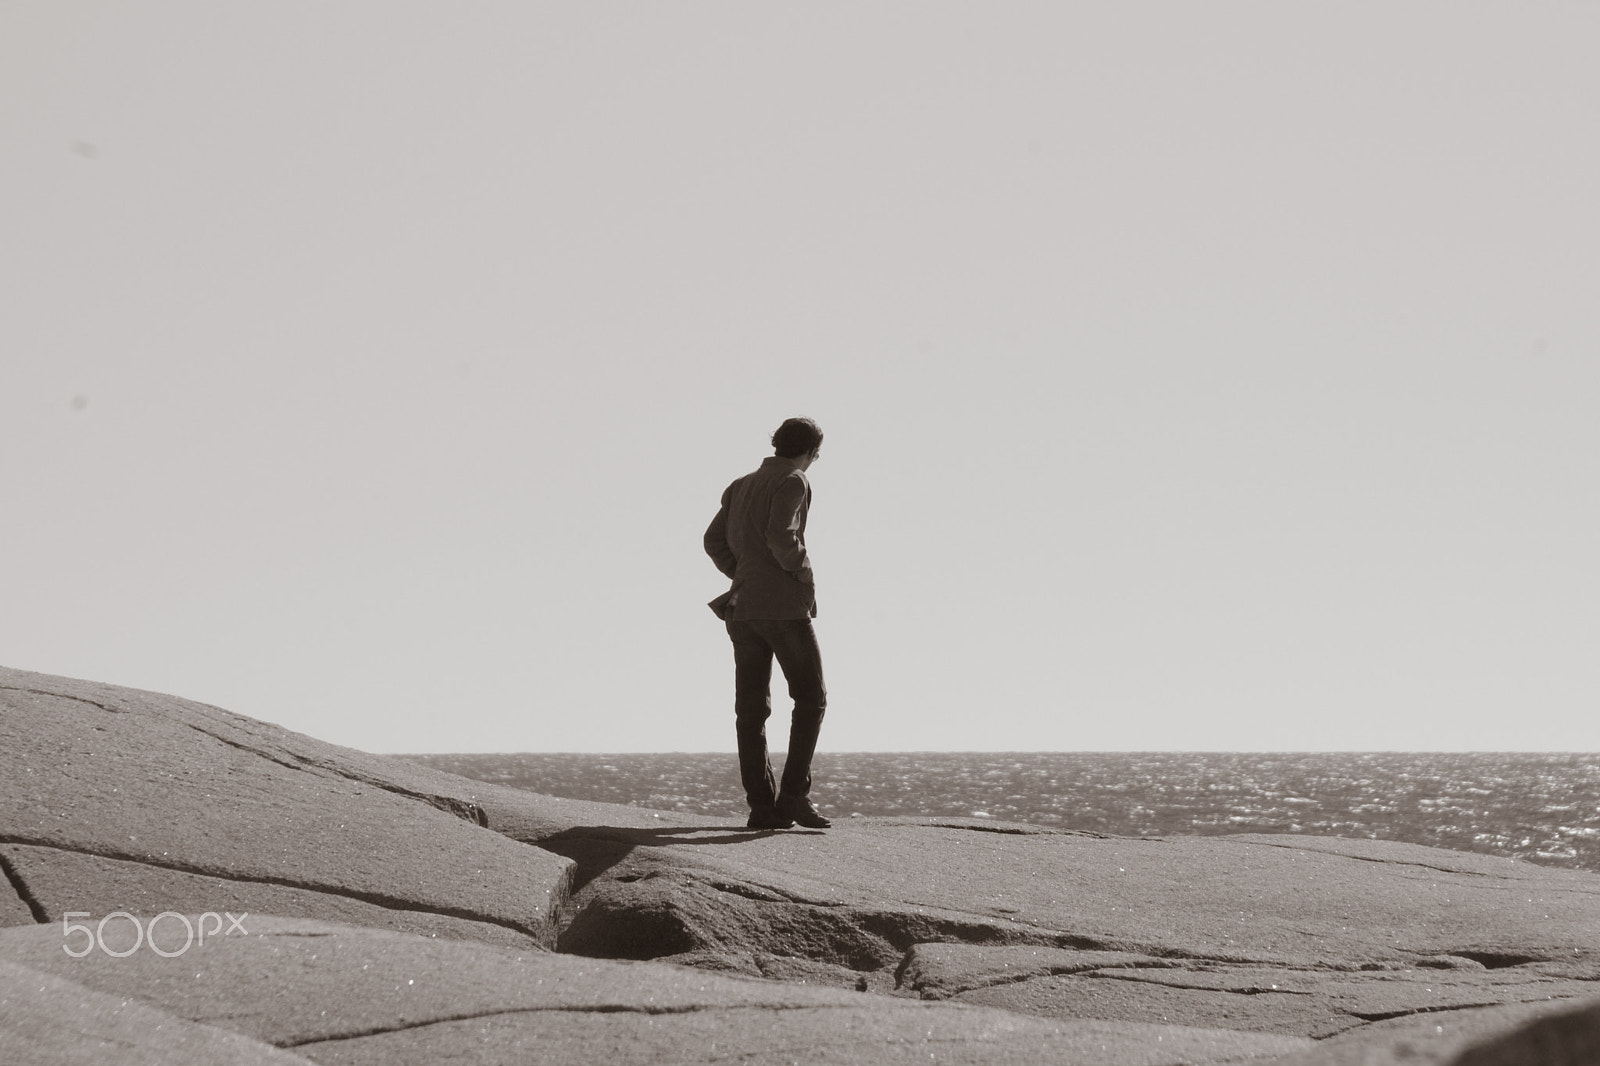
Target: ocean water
{"x": 1544, "y": 808}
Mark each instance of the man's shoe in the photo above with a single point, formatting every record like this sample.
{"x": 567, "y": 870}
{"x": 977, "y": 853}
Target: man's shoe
{"x": 800, "y": 809}
{"x": 768, "y": 818}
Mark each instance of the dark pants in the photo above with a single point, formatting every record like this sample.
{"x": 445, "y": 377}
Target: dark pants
{"x": 794, "y": 643}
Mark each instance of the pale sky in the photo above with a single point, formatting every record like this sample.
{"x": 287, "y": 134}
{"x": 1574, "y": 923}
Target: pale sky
{"x": 1213, "y": 376}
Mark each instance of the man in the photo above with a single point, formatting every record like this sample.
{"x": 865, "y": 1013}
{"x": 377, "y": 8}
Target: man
{"x": 759, "y": 540}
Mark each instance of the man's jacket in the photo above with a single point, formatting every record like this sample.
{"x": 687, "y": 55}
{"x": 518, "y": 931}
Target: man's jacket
{"x": 759, "y": 540}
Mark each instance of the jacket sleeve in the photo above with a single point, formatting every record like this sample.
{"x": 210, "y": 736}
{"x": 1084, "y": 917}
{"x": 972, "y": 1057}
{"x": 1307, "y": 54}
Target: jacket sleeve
{"x": 786, "y": 526}
{"x": 716, "y": 538}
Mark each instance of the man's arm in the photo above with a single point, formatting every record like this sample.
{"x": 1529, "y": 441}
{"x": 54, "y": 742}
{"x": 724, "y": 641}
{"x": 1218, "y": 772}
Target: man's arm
{"x": 716, "y": 538}
{"x": 786, "y": 527}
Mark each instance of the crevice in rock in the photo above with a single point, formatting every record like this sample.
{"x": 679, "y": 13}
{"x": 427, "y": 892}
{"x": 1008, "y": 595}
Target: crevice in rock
{"x": 1379, "y": 861}
{"x": 598, "y": 1008}
{"x": 1448, "y": 962}
{"x": 743, "y": 891}
{"x": 1497, "y": 960}
{"x": 1023, "y": 830}
{"x": 591, "y": 856}
{"x": 1383, "y": 1016}
{"x": 251, "y": 750}
{"x": 466, "y": 810}
{"x": 764, "y": 893}
{"x": 997, "y": 980}
{"x": 377, "y": 899}
{"x": 63, "y": 696}
{"x": 904, "y": 930}
{"x": 20, "y": 886}
{"x": 599, "y": 848}
{"x": 568, "y": 1009}
{"x": 1243, "y": 990}
{"x": 463, "y": 809}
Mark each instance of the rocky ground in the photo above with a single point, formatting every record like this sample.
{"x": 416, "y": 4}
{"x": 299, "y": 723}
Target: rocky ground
{"x": 362, "y": 909}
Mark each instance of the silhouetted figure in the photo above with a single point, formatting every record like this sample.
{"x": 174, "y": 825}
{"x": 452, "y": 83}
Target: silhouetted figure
{"x": 759, "y": 540}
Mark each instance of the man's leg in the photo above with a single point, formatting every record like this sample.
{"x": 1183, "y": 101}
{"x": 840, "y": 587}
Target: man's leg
{"x": 752, "y": 705}
{"x": 794, "y": 642}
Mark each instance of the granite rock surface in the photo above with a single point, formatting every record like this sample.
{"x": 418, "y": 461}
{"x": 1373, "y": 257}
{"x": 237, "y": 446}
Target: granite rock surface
{"x": 387, "y": 911}
{"x": 343, "y": 994}
{"x": 115, "y": 799}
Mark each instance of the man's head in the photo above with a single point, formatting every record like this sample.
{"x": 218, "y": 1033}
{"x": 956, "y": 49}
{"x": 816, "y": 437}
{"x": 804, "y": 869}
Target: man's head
{"x": 797, "y": 439}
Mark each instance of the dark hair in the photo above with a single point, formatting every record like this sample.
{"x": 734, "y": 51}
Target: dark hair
{"x": 796, "y": 437}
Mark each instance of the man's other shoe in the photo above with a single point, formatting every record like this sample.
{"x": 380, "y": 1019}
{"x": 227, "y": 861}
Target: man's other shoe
{"x": 800, "y": 809}
{"x": 768, "y": 818}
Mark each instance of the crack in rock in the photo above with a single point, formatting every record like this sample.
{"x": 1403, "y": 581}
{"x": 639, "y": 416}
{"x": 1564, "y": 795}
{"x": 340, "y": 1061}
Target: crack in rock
{"x": 463, "y": 809}
{"x": 763, "y": 894}
{"x": 913, "y": 974}
{"x": 1381, "y": 861}
{"x": 1383, "y": 1016}
{"x": 1242, "y": 990}
{"x": 1493, "y": 960}
{"x": 376, "y": 899}
{"x": 20, "y": 886}
{"x": 62, "y": 696}
{"x": 1000, "y": 980}
{"x": 1020, "y": 830}
{"x": 598, "y": 1008}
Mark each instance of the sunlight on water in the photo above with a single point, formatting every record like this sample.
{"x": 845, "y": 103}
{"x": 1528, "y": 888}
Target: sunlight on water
{"x": 1544, "y": 808}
